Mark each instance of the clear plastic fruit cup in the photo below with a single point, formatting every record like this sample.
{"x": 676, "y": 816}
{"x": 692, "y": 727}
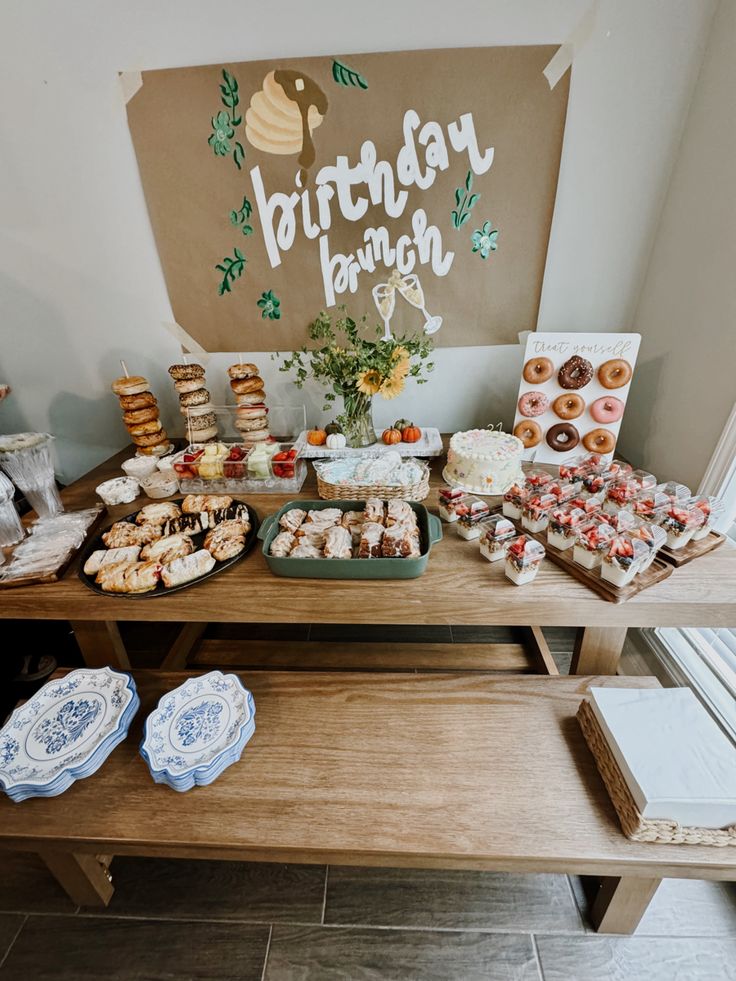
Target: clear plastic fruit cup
{"x": 622, "y": 559}
{"x": 523, "y": 558}
{"x": 495, "y": 533}
{"x": 712, "y": 508}
{"x": 536, "y": 511}
{"x": 591, "y": 541}
{"x": 470, "y": 514}
{"x": 513, "y": 501}
{"x": 562, "y": 529}
{"x": 653, "y": 537}
{"x": 681, "y": 521}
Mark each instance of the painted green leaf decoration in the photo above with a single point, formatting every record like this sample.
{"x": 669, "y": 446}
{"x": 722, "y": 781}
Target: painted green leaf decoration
{"x": 464, "y": 218}
{"x": 471, "y": 201}
{"x": 346, "y": 76}
{"x": 469, "y": 180}
{"x": 230, "y": 97}
{"x": 458, "y": 196}
{"x": 455, "y": 219}
{"x": 465, "y": 202}
{"x": 269, "y": 305}
{"x": 238, "y": 155}
{"x": 232, "y": 269}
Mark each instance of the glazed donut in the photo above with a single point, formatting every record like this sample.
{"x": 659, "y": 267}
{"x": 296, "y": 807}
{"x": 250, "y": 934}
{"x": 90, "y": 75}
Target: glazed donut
{"x": 533, "y": 403}
{"x": 139, "y": 401}
{"x": 132, "y": 385}
{"x": 538, "y": 370}
{"x": 607, "y": 410}
{"x": 615, "y": 373}
{"x": 145, "y": 428}
{"x": 575, "y": 373}
{"x": 137, "y": 416}
{"x": 150, "y": 439}
{"x": 241, "y": 386}
{"x": 568, "y": 406}
{"x": 528, "y": 432}
{"x": 187, "y": 385}
{"x": 182, "y": 372}
{"x": 241, "y": 371}
{"x": 251, "y": 398}
{"x": 599, "y": 441}
{"x": 251, "y": 412}
{"x": 158, "y": 449}
{"x": 190, "y": 399}
{"x": 562, "y": 436}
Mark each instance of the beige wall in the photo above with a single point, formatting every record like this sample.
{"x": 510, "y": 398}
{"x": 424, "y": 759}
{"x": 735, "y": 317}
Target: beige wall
{"x": 80, "y": 281}
{"x": 686, "y": 378}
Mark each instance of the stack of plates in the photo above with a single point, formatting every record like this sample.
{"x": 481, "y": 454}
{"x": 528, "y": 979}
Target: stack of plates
{"x": 198, "y": 730}
{"x": 65, "y": 732}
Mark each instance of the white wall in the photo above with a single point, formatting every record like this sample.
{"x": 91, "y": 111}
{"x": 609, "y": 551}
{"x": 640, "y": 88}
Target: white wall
{"x": 686, "y": 383}
{"x": 80, "y": 281}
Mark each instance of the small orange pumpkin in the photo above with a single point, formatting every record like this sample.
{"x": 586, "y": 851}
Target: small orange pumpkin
{"x": 317, "y": 437}
{"x": 411, "y": 433}
{"x": 391, "y": 436}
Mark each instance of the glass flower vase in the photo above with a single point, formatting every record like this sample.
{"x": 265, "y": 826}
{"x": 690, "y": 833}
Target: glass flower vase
{"x": 357, "y": 419}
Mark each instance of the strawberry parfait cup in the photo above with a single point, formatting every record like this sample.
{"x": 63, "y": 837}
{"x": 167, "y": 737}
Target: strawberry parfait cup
{"x": 495, "y": 534}
{"x": 536, "y": 512}
{"x": 470, "y": 514}
{"x": 562, "y": 529}
{"x": 681, "y": 522}
{"x": 513, "y": 501}
{"x": 622, "y": 559}
{"x": 621, "y": 491}
{"x": 653, "y": 537}
{"x": 649, "y": 505}
{"x": 450, "y": 499}
{"x": 711, "y": 508}
{"x": 591, "y": 542}
{"x": 523, "y": 558}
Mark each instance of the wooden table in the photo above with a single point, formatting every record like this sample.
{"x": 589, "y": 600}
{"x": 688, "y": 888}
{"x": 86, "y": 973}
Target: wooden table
{"x": 459, "y": 588}
{"x": 419, "y": 770}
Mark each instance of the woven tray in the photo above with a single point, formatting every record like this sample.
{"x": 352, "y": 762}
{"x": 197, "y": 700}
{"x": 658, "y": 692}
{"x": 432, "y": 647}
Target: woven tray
{"x": 635, "y": 826}
{"x": 361, "y": 492}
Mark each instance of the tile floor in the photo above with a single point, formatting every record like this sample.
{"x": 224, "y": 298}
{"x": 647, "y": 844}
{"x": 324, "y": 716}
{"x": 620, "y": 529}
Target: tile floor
{"x": 223, "y": 921}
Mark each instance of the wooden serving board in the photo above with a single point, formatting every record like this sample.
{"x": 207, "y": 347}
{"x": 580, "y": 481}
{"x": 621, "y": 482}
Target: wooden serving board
{"x": 58, "y": 573}
{"x": 693, "y": 550}
{"x": 657, "y": 571}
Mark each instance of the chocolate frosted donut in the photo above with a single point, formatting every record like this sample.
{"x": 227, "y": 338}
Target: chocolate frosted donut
{"x": 575, "y": 373}
{"x": 538, "y": 370}
{"x": 529, "y": 432}
{"x": 563, "y": 436}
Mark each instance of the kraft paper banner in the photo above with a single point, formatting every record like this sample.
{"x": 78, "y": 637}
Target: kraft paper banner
{"x": 417, "y": 186}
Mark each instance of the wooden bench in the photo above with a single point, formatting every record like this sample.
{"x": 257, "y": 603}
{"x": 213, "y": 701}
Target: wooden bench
{"x": 457, "y": 771}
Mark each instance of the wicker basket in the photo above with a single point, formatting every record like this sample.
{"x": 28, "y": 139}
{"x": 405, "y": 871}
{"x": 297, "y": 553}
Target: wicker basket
{"x": 361, "y": 492}
{"x": 633, "y": 824}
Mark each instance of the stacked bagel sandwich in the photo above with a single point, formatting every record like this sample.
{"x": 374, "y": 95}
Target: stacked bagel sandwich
{"x": 194, "y": 402}
{"x": 140, "y": 414}
{"x": 251, "y": 414}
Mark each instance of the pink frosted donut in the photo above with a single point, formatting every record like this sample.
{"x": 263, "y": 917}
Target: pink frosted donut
{"x": 607, "y": 410}
{"x": 533, "y": 404}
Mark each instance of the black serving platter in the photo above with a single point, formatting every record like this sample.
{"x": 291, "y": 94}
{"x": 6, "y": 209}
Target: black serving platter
{"x": 96, "y": 543}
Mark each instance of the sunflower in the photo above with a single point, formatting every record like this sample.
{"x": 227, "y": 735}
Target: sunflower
{"x": 394, "y": 384}
{"x": 401, "y": 356}
{"x": 368, "y": 382}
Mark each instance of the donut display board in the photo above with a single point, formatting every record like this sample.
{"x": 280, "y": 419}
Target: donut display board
{"x": 573, "y": 393}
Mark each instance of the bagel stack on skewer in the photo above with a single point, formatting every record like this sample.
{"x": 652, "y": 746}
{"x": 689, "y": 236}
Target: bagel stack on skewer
{"x": 194, "y": 402}
{"x": 140, "y": 414}
{"x": 251, "y": 414}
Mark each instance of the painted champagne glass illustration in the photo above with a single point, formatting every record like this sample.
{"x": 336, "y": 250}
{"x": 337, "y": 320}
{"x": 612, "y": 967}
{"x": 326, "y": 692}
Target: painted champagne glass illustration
{"x": 411, "y": 289}
{"x": 384, "y": 296}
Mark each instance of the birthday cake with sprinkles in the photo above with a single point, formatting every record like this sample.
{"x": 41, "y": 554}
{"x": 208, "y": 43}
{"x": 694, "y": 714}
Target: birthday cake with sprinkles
{"x": 483, "y": 461}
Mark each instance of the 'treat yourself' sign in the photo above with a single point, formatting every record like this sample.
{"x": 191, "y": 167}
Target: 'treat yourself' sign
{"x": 416, "y": 187}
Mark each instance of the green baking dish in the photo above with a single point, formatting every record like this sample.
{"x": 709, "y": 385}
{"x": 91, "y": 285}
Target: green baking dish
{"x": 430, "y": 532}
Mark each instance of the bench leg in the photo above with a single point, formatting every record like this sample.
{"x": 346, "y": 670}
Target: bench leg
{"x": 597, "y": 650}
{"x": 85, "y": 878}
{"x": 539, "y": 650}
{"x": 189, "y": 636}
{"x": 621, "y": 902}
{"x": 101, "y": 644}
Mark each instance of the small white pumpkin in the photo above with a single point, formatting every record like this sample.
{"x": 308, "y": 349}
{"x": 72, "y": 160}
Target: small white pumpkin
{"x": 336, "y": 441}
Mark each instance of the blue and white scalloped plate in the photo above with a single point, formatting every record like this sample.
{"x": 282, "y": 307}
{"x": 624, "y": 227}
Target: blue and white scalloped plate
{"x": 65, "y": 732}
{"x": 198, "y": 730}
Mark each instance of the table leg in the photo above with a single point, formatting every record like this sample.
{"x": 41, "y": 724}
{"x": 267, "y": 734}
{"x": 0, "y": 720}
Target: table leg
{"x": 101, "y": 644}
{"x": 85, "y": 878}
{"x": 621, "y": 902}
{"x": 597, "y": 650}
{"x": 189, "y": 636}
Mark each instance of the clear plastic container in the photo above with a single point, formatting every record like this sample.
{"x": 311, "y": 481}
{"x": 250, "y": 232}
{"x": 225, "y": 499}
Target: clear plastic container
{"x": 622, "y": 559}
{"x": 649, "y": 504}
{"x": 450, "y": 499}
{"x": 621, "y": 520}
{"x": 598, "y": 478}
{"x": 266, "y": 468}
{"x": 11, "y": 528}
{"x": 513, "y": 501}
{"x": 26, "y": 459}
{"x": 523, "y": 558}
{"x": 620, "y": 492}
{"x": 578, "y": 466}
{"x": 562, "y": 528}
{"x": 653, "y": 537}
{"x": 535, "y": 477}
{"x": 711, "y": 507}
{"x": 673, "y": 491}
{"x": 470, "y": 515}
{"x": 495, "y": 533}
{"x": 591, "y": 542}
{"x": 537, "y": 510}
{"x": 681, "y": 521}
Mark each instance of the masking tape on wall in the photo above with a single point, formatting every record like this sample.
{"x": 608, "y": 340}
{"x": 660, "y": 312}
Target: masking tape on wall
{"x": 562, "y": 58}
{"x": 130, "y": 82}
{"x": 187, "y": 343}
